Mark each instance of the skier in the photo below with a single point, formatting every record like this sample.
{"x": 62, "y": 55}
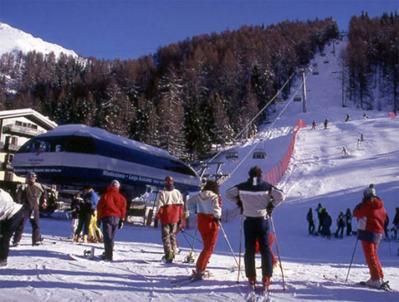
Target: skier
{"x": 395, "y": 223}
{"x": 325, "y": 123}
{"x": 207, "y": 205}
{"x": 313, "y": 125}
{"x": 111, "y": 213}
{"x": 326, "y": 222}
{"x": 371, "y": 216}
{"x": 348, "y": 222}
{"x": 169, "y": 210}
{"x": 386, "y": 230}
{"x": 74, "y": 211}
{"x": 347, "y": 118}
{"x": 309, "y": 218}
{"x": 341, "y": 225}
{"x": 32, "y": 197}
{"x": 11, "y": 215}
{"x": 94, "y": 232}
{"x": 86, "y": 210}
{"x": 319, "y": 211}
{"x": 257, "y": 200}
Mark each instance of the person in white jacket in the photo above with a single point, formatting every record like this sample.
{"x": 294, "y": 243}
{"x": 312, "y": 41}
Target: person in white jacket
{"x": 11, "y": 215}
{"x": 256, "y": 198}
{"x": 207, "y": 206}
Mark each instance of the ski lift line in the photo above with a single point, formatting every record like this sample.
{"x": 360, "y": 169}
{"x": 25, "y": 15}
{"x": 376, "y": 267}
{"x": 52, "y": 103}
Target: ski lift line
{"x": 267, "y": 137}
{"x": 251, "y": 121}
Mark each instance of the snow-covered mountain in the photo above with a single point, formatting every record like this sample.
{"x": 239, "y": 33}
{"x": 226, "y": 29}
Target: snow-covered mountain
{"x": 314, "y": 267}
{"x": 14, "y": 40}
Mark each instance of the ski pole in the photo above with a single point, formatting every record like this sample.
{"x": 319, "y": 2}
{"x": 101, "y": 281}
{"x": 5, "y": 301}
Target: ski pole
{"x": 278, "y": 252}
{"x": 350, "y": 265}
{"x": 239, "y": 252}
{"x": 191, "y": 236}
{"x": 228, "y": 243}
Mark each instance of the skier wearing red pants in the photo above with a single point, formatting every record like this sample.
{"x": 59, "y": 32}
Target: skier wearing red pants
{"x": 371, "y": 216}
{"x": 207, "y": 205}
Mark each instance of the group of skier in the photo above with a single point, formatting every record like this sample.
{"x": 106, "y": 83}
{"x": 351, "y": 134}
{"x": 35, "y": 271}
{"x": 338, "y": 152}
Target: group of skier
{"x": 325, "y": 123}
{"x": 325, "y": 223}
{"x": 255, "y": 197}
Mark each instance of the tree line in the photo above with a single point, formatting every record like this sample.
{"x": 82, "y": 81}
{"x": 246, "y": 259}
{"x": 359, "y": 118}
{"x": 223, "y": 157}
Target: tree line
{"x": 184, "y": 98}
{"x": 372, "y": 61}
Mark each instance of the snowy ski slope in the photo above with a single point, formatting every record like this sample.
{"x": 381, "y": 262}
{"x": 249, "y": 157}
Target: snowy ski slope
{"x": 318, "y": 173}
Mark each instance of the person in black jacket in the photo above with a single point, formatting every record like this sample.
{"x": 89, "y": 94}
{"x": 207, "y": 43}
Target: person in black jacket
{"x": 348, "y": 221}
{"x": 84, "y": 216}
{"x": 340, "y": 226}
{"x": 309, "y": 218}
{"x": 257, "y": 199}
{"x": 75, "y": 207}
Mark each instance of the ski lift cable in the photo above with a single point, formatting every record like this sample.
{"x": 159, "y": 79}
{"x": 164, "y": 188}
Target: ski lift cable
{"x": 256, "y": 116}
{"x": 267, "y": 137}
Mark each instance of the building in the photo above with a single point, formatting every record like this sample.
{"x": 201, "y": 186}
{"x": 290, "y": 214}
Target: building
{"x": 17, "y": 127}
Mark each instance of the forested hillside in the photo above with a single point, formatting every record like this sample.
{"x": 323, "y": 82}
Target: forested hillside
{"x": 183, "y": 98}
{"x": 372, "y": 61}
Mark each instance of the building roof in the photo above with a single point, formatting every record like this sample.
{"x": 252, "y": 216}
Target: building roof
{"x": 30, "y": 114}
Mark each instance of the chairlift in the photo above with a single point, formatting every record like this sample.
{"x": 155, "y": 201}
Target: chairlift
{"x": 231, "y": 155}
{"x": 259, "y": 154}
{"x": 297, "y": 98}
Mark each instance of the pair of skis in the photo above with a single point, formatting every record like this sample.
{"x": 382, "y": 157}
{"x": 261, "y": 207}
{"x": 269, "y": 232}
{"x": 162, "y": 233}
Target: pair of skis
{"x": 258, "y": 294}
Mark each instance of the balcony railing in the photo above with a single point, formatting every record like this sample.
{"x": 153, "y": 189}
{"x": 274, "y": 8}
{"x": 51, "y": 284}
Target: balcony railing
{"x": 21, "y": 130}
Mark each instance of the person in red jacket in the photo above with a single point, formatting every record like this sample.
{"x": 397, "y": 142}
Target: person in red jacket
{"x": 111, "y": 212}
{"x": 169, "y": 211}
{"x": 371, "y": 216}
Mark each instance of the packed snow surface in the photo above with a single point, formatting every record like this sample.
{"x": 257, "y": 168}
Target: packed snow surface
{"x": 314, "y": 267}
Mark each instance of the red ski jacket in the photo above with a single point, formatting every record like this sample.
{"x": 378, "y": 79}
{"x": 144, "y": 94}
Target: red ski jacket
{"x": 112, "y": 203}
{"x": 371, "y": 215}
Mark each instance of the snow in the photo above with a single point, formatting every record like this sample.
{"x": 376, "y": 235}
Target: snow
{"x": 314, "y": 267}
{"x": 14, "y": 40}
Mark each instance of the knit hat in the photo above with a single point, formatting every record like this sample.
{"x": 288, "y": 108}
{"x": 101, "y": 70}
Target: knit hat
{"x": 115, "y": 183}
{"x": 370, "y": 191}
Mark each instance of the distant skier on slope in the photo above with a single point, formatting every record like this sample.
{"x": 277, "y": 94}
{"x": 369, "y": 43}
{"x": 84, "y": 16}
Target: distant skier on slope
{"x": 371, "y": 216}
{"x": 169, "y": 211}
{"x": 325, "y": 123}
{"x": 207, "y": 205}
{"x": 258, "y": 199}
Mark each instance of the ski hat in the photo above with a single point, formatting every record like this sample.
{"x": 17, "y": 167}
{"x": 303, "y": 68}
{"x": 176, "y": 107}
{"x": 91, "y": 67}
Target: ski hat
{"x": 115, "y": 183}
{"x": 370, "y": 191}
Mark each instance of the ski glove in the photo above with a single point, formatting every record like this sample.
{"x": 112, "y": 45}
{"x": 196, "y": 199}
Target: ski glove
{"x": 120, "y": 224}
{"x": 99, "y": 222}
{"x": 269, "y": 208}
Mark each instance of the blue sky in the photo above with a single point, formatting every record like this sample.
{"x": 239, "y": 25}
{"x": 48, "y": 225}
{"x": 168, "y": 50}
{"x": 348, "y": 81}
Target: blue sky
{"x": 132, "y": 28}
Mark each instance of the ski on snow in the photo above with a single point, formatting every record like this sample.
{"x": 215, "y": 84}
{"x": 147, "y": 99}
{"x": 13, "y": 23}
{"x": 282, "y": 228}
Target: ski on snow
{"x": 384, "y": 287}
